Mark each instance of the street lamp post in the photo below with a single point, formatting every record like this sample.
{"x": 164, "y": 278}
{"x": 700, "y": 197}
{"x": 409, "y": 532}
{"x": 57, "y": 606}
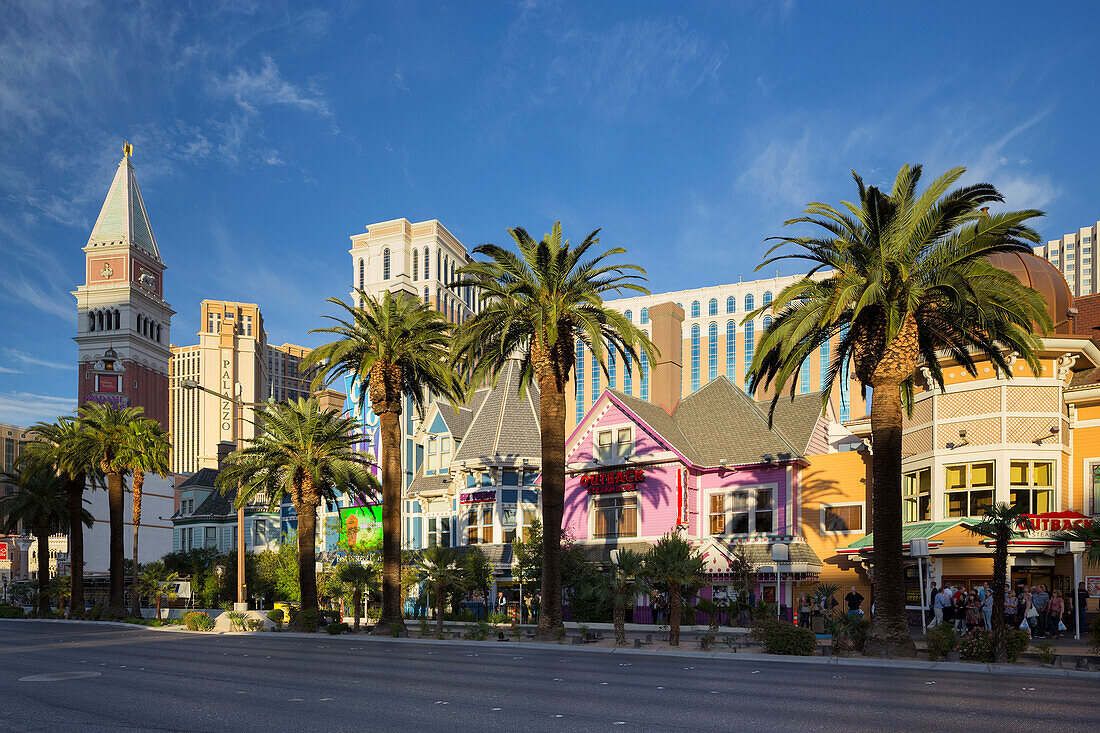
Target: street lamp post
{"x": 242, "y": 601}
{"x": 780, "y": 553}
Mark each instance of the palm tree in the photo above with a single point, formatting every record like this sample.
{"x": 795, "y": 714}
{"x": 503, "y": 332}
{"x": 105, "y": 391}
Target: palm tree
{"x": 304, "y": 454}
{"x": 60, "y": 446}
{"x": 398, "y": 348}
{"x": 673, "y": 564}
{"x": 1090, "y": 535}
{"x": 438, "y": 568}
{"x": 478, "y": 572}
{"x": 146, "y": 451}
{"x": 156, "y": 583}
{"x": 108, "y": 430}
{"x": 61, "y": 588}
{"x": 1000, "y": 522}
{"x": 540, "y": 304}
{"x": 358, "y": 576}
{"x": 625, "y": 581}
{"x": 39, "y": 502}
{"x": 906, "y": 280}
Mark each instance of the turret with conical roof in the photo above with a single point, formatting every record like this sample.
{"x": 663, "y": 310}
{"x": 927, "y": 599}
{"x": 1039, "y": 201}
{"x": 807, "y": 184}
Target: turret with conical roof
{"x": 121, "y": 308}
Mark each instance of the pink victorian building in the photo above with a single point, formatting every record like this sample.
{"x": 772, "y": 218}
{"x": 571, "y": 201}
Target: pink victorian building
{"x": 711, "y": 468}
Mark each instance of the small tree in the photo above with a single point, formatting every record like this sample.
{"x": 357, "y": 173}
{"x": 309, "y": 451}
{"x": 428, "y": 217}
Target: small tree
{"x": 673, "y": 563}
{"x": 743, "y": 572}
{"x": 157, "y": 583}
{"x": 358, "y": 577}
{"x": 999, "y": 524}
{"x": 478, "y": 572}
{"x": 438, "y": 569}
{"x": 61, "y": 590}
{"x": 624, "y": 581}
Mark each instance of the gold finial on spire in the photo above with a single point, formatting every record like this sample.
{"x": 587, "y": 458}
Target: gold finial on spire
{"x": 127, "y": 149}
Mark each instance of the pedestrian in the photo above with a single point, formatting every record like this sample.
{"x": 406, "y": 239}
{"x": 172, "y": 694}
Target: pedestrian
{"x": 1082, "y": 604}
{"x": 973, "y": 609}
{"x": 960, "y": 609}
{"x": 948, "y": 596}
{"x": 1011, "y": 622}
{"x": 854, "y": 601}
{"x": 1026, "y": 608}
{"x": 1055, "y": 608}
{"x": 1039, "y": 600}
{"x": 938, "y": 606}
{"x": 932, "y": 600}
{"x": 987, "y": 607}
{"x": 985, "y": 590}
{"x": 805, "y": 610}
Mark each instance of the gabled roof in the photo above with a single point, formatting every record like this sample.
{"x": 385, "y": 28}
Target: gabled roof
{"x": 123, "y": 216}
{"x": 720, "y": 422}
{"x": 203, "y": 478}
{"x": 504, "y": 423}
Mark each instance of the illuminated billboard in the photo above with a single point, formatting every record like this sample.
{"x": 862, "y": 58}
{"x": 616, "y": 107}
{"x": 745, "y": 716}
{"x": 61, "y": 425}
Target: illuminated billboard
{"x": 361, "y": 528}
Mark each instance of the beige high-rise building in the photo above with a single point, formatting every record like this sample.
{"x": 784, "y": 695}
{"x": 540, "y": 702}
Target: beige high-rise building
{"x": 232, "y": 358}
{"x": 1072, "y": 255}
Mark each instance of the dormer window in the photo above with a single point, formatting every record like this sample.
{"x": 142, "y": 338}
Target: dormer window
{"x": 614, "y": 444}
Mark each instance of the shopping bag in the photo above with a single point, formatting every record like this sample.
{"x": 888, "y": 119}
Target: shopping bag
{"x": 1024, "y": 626}
{"x": 1061, "y": 626}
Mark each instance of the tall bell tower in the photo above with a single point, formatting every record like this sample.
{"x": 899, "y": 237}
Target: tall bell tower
{"x": 122, "y": 320}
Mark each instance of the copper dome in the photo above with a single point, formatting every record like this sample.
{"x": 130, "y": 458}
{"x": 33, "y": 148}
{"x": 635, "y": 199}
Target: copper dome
{"x": 1040, "y": 275}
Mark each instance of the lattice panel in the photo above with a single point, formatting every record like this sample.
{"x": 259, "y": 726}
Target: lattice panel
{"x": 978, "y": 432}
{"x": 1031, "y": 399}
{"x": 970, "y": 402}
{"x": 922, "y": 413}
{"x": 917, "y": 441}
{"x": 1029, "y": 429}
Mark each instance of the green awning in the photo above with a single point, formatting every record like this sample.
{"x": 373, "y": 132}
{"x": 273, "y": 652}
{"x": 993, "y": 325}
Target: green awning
{"x": 908, "y": 532}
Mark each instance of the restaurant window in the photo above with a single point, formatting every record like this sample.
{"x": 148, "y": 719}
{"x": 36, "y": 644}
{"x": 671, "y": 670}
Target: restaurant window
{"x": 479, "y": 526}
{"x": 509, "y": 478}
{"x": 615, "y": 515}
{"x": 968, "y": 487}
{"x": 508, "y": 522}
{"x": 433, "y": 456}
{"x": 444, "y": 455}
{"x": 211, "y": 536}
{"x": 744, "y": 511}
{"x": 842, "y": 519}
{"x": 1032, "y": 486}
{"x": 917, "y": 495}
{"x": 439, "y": 531}
{"x": 614, "y": 445}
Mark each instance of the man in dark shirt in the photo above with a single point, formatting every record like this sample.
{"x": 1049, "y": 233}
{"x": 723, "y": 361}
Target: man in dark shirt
{"x": 854, "y": 600}
{"x": 1082, "y": 605}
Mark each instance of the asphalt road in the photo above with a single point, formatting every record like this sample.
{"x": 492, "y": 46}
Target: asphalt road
{"x": 148, "y": 680}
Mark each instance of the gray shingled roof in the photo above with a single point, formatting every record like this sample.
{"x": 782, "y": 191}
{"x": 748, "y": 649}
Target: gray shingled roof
{"x": 760, "y": 553}
{"x": 505, "y": 423}
{"x": 721, "y": 422}
{"x": 203, "y": 478}
{"x": 216, "y": 504}
{"x": 431, "y": 485}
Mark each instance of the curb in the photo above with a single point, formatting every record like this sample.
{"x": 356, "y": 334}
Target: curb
{"x": 967, "y": 667}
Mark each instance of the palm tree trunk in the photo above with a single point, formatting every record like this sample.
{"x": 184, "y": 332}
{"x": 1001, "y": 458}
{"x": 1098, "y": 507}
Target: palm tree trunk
{"x": 619, "y": 617}
{"x": 75, "y": 490}
{"x": 116, "y": 602}
{"x": 552, "y": 426}
{"x": 440, "y": 599}
{"x": 1000, "y": 577}
{"x": 358, "y": 606}
{"x": 389, "y": 415}
{"x": 674, "y": 609}
{"x": 307, "y": 555}
{"x": 139, "y": 483}
{"x": 889, "y": 633}
{"x": 43, "y": 535}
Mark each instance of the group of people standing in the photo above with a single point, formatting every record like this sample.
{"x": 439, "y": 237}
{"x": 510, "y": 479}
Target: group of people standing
{"x": 1029, "y": 608}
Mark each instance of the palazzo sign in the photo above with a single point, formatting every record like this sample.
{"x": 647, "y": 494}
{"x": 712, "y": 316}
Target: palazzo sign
{"x": 612, "y": 481}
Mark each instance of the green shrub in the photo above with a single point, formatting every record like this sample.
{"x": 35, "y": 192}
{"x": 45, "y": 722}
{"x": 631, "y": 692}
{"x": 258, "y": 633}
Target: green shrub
{"x": 498, "y": 618}
{"x": 308, "y": 621}
{"x": 477, "y": 633}
{"x": 276, "y": 616}
{"x": 781, "y": 637}
{"x": 1016, "y": 641}
{"x": 395, "y": 629}
{"x": 1046, "y": 651}
{"x": 255, "y": 624}
{"x": 941, "y": 640}
{"x": 9, "y": 611}
{"x": 335, "y": 627}
{"x": 198, "y": 621}
{"x": 236, "y": 620}
{"x": 96, "y": 613}
{"x": 424, "y": 629}
{"x": 976, "y": 646}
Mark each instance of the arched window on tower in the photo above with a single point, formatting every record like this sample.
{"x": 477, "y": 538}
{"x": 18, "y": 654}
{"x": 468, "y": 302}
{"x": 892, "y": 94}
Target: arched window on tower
{"x": 158, "y": 333}
{"x": 427, "y": 265}
{"x": 712, "y": 307}
{"x": 439, "y": 264}
{"x": 749, "y": 303}
{"x": 695, "y": 309}
{"x": 362, "y": 273}
{"x": 767, "y": 297}
{"x": 427, "y": 295}
{"x": 118, "y": 320}
{"x": 629, "y": 316}
{"x": 731, "y": 349}
{"x": 731, "y": 304}
{"x": 695, "y": 357}
{"x": 645, "y": 316}
{"x": 91, "y": 321}
{"x": 386, "y": 263}
{"x": 712, "y": 351}
{"x": 416, "y": 265}
{"x": 767, "y": 322}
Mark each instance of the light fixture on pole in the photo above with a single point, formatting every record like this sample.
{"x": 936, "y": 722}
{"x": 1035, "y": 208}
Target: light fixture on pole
{"x": 918, "y": 548}
{"x": 780, "y": 553}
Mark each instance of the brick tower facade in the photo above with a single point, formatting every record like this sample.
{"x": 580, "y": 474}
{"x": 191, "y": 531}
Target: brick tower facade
{"x": 122, "y": 319}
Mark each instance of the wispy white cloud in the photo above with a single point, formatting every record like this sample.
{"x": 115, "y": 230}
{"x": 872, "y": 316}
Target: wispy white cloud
{"x": 34, "y": 360}
{"x": 24, "y": 408}
{"x": 266, "y": 86}
{"x": 6, "y": 370}
{"x": 33, "y": 274}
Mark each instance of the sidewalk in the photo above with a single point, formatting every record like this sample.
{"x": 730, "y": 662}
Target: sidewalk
{"x": 1014, "y": 670}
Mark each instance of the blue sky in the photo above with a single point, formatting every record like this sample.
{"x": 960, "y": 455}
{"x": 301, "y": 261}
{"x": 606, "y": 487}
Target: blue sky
{"x": 267, "y": 133}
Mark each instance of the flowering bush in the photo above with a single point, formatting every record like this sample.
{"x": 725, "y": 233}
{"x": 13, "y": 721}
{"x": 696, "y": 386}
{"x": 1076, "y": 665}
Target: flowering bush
{"x": 198, "y": 621}
{"x": 941, "y": 640}
{"x": 976, "y": 646}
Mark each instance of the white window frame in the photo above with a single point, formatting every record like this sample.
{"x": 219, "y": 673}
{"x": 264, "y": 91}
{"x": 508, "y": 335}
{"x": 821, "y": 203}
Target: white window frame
{"x": 752, "y": 489}
{"x": 833, "y": 505}
{"x": 633, "y": 493}
{"x": 614, "y": 429}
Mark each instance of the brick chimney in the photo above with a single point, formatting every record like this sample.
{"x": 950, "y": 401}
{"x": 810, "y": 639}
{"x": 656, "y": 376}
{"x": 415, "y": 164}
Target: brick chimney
{"x": 666, "y": 376}
{"x": 225, "y": 447}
